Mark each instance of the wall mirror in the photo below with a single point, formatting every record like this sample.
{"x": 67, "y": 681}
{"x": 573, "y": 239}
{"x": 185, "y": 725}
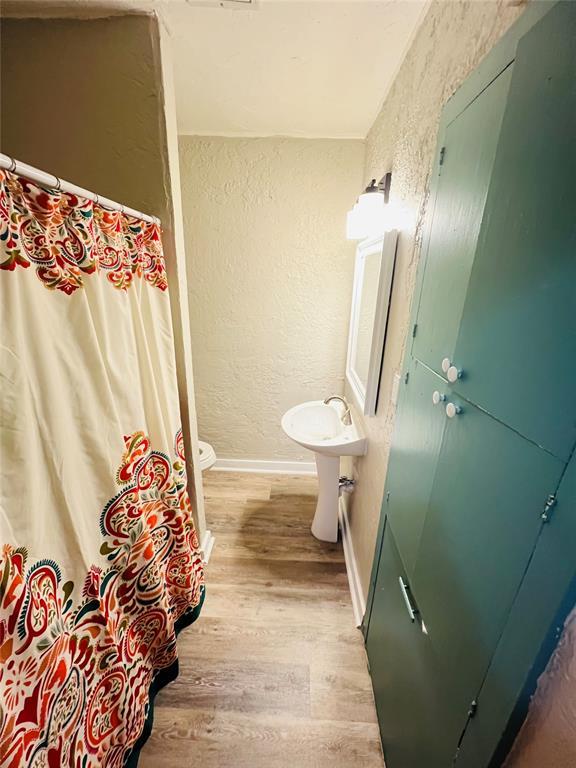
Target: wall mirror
{"x": 373, "y": 274}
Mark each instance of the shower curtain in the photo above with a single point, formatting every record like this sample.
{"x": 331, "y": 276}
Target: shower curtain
{"x": 99, "y": 560}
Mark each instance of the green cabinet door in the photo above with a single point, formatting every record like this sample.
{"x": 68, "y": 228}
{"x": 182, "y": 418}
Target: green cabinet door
{"x": 470, "y": 142}
{"x": 418, "y": 431}
{"x": 407, "y": 688}
{"x": 517, "y": 341}
{"x": 483, "y": 521}
{"x": 531, "y": 632}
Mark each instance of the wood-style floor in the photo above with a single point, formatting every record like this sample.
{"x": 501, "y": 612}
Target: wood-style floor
{"x": 273, "y": 674}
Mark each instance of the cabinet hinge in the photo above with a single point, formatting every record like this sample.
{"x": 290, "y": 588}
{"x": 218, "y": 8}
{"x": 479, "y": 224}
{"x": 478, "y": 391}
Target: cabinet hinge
{"x": 548, "y": 506}
{"x": 406, "y": 377}
{"x": 472, "y": 709}
{"x": 414, "y": 330}
{"x": 442, "y": 155}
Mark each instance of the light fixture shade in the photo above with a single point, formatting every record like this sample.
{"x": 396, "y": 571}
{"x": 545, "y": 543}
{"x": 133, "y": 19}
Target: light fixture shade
{"x": 367, "y": 218}
{"x": 354, "y": 229}
{"x": 371, "y": 201}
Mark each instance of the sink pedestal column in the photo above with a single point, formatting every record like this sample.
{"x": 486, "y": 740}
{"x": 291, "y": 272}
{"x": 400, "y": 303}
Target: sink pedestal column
{"x": 325, "y": 523}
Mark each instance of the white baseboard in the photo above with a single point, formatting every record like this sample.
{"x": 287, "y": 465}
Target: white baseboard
{"x": 270, "y": 467}
{"x": 358, "y": 602}
{"x": 207, "y": 545}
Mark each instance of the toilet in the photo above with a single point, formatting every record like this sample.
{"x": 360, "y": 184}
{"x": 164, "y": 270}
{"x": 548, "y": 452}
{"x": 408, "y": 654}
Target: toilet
{"x": 207, "y": 455}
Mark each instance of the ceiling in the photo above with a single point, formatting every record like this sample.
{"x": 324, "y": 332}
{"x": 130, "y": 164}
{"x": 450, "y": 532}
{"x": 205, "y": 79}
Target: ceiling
{"x": 313, "y": 68}
{"x": 291, "y": 68}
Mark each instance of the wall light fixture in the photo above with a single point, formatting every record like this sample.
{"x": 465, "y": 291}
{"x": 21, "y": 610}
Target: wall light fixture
{"x": 368, "y": 216}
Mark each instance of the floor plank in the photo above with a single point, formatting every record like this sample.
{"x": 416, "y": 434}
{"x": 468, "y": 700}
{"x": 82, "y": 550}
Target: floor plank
{"x": 273, "y": 674}
{"x": 260, "y": 518}
{"x": 276, "y": 547}
{"x": 309, "y": 575}
{"x": 216, "y": 739}
{"x": 237, "y": 639}
{"x": 262, "y": 687}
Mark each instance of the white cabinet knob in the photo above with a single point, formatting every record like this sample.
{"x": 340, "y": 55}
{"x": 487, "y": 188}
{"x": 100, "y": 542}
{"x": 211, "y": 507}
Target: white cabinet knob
{"x": 453, "y": 374}
{"x": 446, "y": 363}
{"x": 438, "y": 397}
{"x": 452, "y": 410}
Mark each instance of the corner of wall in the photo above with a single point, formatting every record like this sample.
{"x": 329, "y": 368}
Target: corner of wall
{"x": 174, "y": 248}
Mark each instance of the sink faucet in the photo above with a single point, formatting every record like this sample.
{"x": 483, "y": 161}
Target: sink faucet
{"x": 346, "y": 418}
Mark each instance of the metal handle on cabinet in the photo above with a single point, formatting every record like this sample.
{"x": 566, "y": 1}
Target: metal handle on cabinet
{"x": 438, "y": 397}
{"x": 452, "y": 410}
{"x": 404, "y": 590}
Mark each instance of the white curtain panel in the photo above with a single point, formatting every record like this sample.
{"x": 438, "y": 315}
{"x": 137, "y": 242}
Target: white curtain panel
{"x": 99, "y": 561}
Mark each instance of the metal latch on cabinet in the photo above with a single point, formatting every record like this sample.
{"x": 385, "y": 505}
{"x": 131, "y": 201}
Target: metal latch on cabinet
{"x": 548, "y": 506}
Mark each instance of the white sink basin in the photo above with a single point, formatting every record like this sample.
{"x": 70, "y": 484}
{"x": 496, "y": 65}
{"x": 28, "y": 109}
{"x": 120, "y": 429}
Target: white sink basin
{"x": 319, "y": 428}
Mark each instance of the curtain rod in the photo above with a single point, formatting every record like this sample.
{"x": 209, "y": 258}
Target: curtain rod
{"x": 49, "y": 180}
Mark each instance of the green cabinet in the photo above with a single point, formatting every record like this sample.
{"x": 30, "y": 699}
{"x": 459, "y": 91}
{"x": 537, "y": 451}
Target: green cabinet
{"x": 531, "y": 630}
{"x": 464, "y": 171}
{"x": 517, "y": 339}
{"x": 412, "y": 463}
{"x": 408, "y": 693}
{"x": 480, "y": 452}
{"x": 482, "y": 523}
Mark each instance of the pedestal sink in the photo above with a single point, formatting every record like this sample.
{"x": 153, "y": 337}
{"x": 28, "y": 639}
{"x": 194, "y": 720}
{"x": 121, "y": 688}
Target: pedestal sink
{"x": 319, "y": 427}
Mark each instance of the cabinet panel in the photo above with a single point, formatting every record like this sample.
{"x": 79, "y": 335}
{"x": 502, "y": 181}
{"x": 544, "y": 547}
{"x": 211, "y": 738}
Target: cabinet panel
{"x": 483, "y": 520}
{"x": 531, "y": 631}
{"x": 415, "y": 446}
{"x": 517, "y": 341}
{"x": 469, "y": 148}
{"x": 407, "y": 688}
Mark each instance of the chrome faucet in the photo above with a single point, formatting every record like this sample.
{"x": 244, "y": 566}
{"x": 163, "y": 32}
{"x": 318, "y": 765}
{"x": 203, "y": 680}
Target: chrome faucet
{"x": 346, "y": 418}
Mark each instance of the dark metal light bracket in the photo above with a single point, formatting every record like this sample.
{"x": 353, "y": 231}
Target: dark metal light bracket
{"x": 382, "y": 186}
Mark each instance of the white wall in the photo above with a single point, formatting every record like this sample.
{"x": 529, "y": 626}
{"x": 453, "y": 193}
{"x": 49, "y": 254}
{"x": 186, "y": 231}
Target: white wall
{"x": 270, "y": 281}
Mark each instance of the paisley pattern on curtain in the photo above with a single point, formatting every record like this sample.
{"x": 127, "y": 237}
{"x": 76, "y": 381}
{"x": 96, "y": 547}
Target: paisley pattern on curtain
{"x": 67, "y": 237}
{"x": 99, "y": 558}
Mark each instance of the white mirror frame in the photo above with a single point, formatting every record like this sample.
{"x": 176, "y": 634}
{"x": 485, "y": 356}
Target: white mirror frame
{"x": 367, "y": 396}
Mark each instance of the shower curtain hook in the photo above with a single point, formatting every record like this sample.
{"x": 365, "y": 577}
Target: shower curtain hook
{"x": 12, "y": 165}
{"x": 58, "y": 184}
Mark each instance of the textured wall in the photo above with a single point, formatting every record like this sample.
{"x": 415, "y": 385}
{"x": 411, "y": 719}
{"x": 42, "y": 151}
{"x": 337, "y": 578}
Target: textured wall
{"x": 452, "y": 40}
{"x": 82, "y": 99}
{"x": 547, "y": 737}
{"x": 270, "y": 278}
